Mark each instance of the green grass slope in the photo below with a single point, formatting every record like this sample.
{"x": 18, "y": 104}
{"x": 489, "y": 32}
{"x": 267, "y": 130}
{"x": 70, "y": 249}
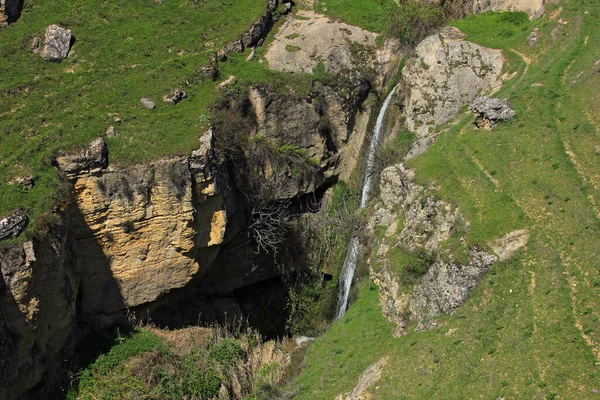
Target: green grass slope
{"x": 530, "y": 330}
{"x": 124, "y": 50}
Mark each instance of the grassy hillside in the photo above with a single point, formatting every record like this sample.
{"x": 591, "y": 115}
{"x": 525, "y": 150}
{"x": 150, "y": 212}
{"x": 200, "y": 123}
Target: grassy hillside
{"x": 123, "y": 50}
{"x": 530, "y": 329}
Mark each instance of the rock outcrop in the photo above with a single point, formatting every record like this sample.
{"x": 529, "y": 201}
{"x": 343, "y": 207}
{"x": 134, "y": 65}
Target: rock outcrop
{"x": 491, "y": 112}
{"x": 532, "y": 7}
{"x": 89, "y": 160}
{"x": 175, "y": 96}
{"x": 38, "y": 292}
{"x": 12, "y": 225}
{"x": 446, "y": 285}
{"x": 446, "y": 74}
{"x": 57, "y": 43}
{"x": 415, "y": 221}
{"x": 143, "y": 231}
{"x": 259, "y": 30}
{"x": 10, "y": 10}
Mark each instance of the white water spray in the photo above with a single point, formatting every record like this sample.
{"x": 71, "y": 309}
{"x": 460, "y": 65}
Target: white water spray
{"x": 349, "y": 266}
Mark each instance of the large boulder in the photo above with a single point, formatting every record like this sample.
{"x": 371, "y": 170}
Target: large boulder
{"x": 446, "y": 74}
{"x": 57, "y": 43}
{"x": 491, "y": 111}
{"x": 94, "y": 158}
{"x": 38, "y": 292}
{"x": 13, "y": 225}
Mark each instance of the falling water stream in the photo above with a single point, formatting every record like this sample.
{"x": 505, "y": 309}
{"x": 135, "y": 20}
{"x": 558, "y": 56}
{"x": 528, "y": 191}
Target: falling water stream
{"x": 349, "y": 265}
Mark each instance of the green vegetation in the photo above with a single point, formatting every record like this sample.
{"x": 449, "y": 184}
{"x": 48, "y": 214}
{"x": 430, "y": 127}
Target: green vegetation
{"x": 189, "y": 363}
{"x": 372, "y": 15}
{"x": 409, "y": 266}
{"x": 530, "y": 329}
{"x": 292, "y": 48}
{"x": 353, "y": 343}
{"x": 123, "y": 51}
{"x": 321, "y": 242}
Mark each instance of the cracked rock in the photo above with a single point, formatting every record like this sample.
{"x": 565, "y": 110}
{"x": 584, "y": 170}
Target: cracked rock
{"x": 491, "y": 111}
{"x": 13, "y": 225}
{"x": 94, "y": 158}
{"x": 57, "y": 43}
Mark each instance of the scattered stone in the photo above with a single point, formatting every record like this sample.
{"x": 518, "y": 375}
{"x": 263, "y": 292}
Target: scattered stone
{"x": 210, "y": 72}
{"x": 175, "y": 96}
{"x": 234, "y": 47}
{"x": 111, "y": 132}
{"x": 92, "y": 159}
{"x": 491, "y": 111}
{"x": 450, "y": 332}
{"x": 149, "y": 103}
{"x": 251, "y": 56}
{"x": 57, "y": 43}
{"x": 555, "y": 33}
{"x": 303, "y": 339}
{"x": 26, "y": 181}
{"x": 35, "y": 45}
{"x": 227, "y": 82}
{"x": 13, "y": 225}
{"x": 533, "y": 37}
{"x": 537, "y": 84}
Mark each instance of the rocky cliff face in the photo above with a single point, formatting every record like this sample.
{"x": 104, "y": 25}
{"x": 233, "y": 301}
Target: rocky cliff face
{"x": 446, "y": 74}
{"x": 147, "y": 235}
{"x": 37, "y": 308}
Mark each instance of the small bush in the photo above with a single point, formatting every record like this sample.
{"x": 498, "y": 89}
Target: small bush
{"x": 515, "y": 18}
{"x": 292, "y": 48}
{"x": 226, "y": 351}
{"x": 414, "y": 20}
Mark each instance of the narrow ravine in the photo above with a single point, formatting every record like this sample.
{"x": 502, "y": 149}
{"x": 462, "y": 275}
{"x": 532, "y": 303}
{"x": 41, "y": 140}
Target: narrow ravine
{"x": 349, "y": 265}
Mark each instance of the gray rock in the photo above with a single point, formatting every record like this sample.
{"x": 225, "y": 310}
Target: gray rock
{"x": 35, "y": 45}
{"x": 57, "y": 43}
{"x": 211, "y": 71}
{"x": 94, "y": 158}
{"x": 533, "y": 37}
{"x": 446, "y": 74}
{"x": 13, "y": 225}
{"x": 148, "y": 102}
{"x": 234, "y": 47}
{"x": 491, "y": 111}
{"x": 175, "y": 96}
{"x": 27, "y": 181}
{"x": 111, "y": 132}
{"x": 447, "y": 285}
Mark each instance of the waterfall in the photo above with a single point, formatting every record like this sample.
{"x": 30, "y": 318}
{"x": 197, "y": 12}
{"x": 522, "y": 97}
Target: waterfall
{"x": 349, "y": 265}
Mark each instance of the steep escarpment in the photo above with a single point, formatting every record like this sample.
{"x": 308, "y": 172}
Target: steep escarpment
{"x": 151, "y": 236}
{"x": 38, "y": 308}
